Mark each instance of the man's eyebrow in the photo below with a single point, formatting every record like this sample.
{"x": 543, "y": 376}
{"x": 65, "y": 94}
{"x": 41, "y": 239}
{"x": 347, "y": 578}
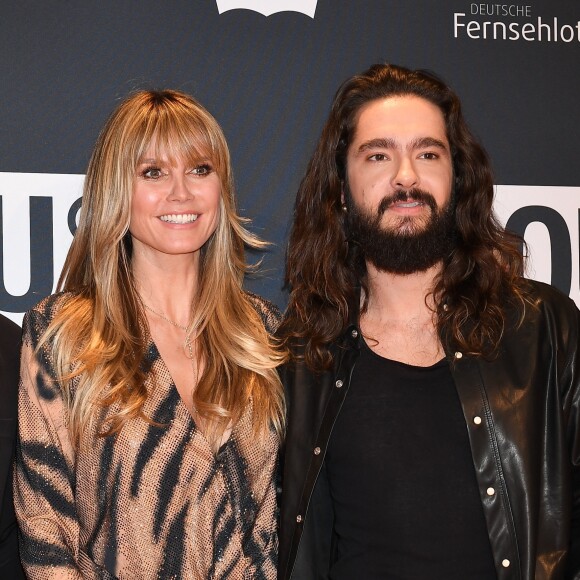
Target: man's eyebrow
{"x": 378, "y": 143}
{"x": 390, "y": 143}
{"x": 422, "y": 142}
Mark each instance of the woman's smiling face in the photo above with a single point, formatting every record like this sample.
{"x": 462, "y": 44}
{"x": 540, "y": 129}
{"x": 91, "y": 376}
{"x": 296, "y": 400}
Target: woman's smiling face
{"x": 175, "y": 204}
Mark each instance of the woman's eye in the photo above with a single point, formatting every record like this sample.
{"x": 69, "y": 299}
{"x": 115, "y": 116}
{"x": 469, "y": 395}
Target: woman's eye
{"x": 152, "y": 173}
{"x": 204, "y": 169}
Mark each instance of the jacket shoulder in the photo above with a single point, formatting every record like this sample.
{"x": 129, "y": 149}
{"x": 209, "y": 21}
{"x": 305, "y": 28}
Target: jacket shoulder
{"x": 553, "y": 318}
{"x": 549, "y": 299}
{"x": 268, "y": 311}
{"x": 8, "y": 328}
{"x": 10, "y": 338}
{"x": 10, "y": 334}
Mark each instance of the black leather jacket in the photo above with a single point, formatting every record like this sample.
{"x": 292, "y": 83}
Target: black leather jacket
{"x": 522, "y": 413}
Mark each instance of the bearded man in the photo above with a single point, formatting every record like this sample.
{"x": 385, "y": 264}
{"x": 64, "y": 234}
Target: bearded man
{"x": 433, "y": 392}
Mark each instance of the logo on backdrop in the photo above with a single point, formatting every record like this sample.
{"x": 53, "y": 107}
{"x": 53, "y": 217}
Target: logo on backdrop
{"x": 549, "y": 220}
{"x": 512, "y": 22}
{"x": 269, "y": 7}
{"x": 38, "y": 217}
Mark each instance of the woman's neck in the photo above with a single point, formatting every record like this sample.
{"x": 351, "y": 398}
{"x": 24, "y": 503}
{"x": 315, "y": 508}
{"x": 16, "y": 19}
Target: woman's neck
{"x": 167, "y": 285}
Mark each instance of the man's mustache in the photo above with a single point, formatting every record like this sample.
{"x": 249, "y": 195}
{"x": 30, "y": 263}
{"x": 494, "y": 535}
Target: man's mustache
{"x": 406, "y": 195}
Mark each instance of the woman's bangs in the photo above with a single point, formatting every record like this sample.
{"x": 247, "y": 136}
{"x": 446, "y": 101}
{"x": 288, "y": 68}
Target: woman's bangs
{"x": 186, "y": 140}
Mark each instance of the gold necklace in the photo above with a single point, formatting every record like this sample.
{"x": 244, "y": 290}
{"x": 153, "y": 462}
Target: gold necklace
{"x": 188, "y": 344}
{"x": 164, "y": 317}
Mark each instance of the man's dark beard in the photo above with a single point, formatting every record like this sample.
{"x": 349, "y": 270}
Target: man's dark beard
{"x": 405, "y": 248}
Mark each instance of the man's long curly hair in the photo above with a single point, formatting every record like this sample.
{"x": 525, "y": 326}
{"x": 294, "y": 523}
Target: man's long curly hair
{"x": 480, "y": 279}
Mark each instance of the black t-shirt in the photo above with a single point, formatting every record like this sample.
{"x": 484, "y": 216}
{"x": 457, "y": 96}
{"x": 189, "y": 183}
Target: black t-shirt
{"x": 402, "y": 480}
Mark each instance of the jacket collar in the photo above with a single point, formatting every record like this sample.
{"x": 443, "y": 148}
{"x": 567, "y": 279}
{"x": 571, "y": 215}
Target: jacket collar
{"x": 352, "y": 336}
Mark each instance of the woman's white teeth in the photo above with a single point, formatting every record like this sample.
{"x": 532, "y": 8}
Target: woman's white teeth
{"x": 182, "y": 218}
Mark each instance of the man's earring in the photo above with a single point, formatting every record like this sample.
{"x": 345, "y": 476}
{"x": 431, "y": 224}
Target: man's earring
{"x": 344, "y": 208}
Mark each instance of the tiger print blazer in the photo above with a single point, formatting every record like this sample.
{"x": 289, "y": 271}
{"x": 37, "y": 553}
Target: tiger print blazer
{"x": 152, "y": 502}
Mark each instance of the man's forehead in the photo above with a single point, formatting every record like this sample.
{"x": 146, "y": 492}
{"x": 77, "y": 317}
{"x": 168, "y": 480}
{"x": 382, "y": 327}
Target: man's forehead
{"x": 404, "y": 116}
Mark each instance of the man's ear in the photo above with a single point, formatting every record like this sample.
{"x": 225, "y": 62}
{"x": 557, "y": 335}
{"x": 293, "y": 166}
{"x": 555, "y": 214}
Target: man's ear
{"x": 343, "y": 198}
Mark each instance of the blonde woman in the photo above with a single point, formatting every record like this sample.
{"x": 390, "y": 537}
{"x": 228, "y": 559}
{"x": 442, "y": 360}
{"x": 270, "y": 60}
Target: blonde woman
{"x": 150, "y": 408}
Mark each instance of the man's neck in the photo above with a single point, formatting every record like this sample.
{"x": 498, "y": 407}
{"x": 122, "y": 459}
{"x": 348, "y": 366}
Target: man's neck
{"x": 399, "y": 322}
{"x": 400, "y": 296}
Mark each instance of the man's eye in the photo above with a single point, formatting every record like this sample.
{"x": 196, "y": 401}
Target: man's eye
{"x": 429, "y": 156}
{"x": 204, "y": 169}
{"x": 152, "y": 173}
{"x": 378, "y": 157}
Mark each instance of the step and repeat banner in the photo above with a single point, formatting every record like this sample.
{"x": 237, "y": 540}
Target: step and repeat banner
{"x": 267, "y": 70}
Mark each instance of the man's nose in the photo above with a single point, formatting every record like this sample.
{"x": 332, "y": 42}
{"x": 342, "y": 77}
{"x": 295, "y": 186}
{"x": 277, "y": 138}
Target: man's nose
{"x": 405, "y": 177}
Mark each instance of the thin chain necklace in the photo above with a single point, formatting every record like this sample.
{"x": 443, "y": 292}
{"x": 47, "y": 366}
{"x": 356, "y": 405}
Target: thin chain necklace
{"x": 188, "y": 344}
{"x": 164, "y": 317}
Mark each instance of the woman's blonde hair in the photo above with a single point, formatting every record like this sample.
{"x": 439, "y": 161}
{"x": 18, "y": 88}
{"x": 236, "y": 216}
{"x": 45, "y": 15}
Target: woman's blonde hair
{"x": 98, "y": 338}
